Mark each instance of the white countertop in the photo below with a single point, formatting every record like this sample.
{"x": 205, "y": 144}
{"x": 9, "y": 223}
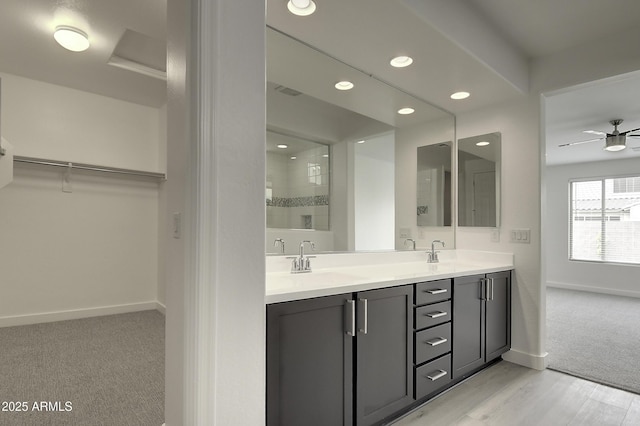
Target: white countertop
{"x": 351, "y": 272}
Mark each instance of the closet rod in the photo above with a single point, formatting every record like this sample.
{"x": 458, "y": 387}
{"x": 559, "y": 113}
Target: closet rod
{"x": 90, "y": 167}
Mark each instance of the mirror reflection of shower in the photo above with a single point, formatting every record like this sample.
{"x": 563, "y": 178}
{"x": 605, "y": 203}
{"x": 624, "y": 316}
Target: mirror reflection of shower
{"x": 297, "y": 190}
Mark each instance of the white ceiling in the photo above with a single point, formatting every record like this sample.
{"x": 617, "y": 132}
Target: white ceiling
{"x": 543, "y": 27}
{"x": 27, "y": 47}
{"x": 590, "y": 107}
{"x": 363, "y": 33}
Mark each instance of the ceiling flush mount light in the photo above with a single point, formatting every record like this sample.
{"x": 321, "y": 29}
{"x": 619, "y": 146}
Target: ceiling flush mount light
{"x": 282, "y": 146}
{"x": 460, "y": 95}
{"x": 301, "y": 7}
{"x": 405, "y": 111}
{"x": 344, "y": 85}
{"x": 616, "y": 143}
{"x": 360, "y": 142}
{"x": 71, "y": 38}
{"x": 401, "y": 61}
{"x": 294, "y": 157}
{"x": 482, "y": 143}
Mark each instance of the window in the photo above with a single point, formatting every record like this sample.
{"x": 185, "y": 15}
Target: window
{"x": 314, "y": 173}
{"x": 605, "y": 220}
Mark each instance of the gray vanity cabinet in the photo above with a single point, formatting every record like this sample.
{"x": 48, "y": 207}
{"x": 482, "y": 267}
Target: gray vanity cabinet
{"x": 340, "y": 359}
{"x": 481, "y": 320}
{"x": 309, "y": 363}
{"x": 384, "y": 360}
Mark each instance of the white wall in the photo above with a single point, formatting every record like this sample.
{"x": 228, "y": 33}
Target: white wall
{"x": 603, "y": 278}
{"x": 215, "y": 323}
{"x": 374, "y": 193}
{"x": 407, "y": 142}
{"x": 54, "y": 122}
{"x": 518, "y": 122}
{"x": 91, "y": 251}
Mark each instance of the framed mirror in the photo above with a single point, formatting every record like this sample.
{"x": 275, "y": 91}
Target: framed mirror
{"x": 433, "y": 185}
{"x": 479, "y": 180}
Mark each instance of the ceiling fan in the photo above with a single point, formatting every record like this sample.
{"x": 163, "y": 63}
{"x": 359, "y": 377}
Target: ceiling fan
{"x": 614, "y": 141}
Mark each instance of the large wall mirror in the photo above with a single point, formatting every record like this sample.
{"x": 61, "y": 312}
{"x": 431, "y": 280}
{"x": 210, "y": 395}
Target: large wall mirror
{"x": 352, "y": 183}
{"x": 479, "y": 180}
{"x": 433, "y": 185}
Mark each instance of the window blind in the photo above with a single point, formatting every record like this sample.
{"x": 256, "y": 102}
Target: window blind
{"x": 604, "y": 222}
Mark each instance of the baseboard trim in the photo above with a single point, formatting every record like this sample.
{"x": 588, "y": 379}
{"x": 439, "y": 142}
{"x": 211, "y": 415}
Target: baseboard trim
{"x": 537, "y": 362}
{"x": 11, "y": 321}
{"x": 161, "y": 307}
{"x": 601, "y": 290}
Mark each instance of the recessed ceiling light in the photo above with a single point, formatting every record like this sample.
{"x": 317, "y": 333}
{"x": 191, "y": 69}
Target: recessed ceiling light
{"x": 405, "y": 111}
{"x": 360, "y": 142}
{"x": 482, "y": 143}
{"x": 71, "y": 38}
{"x": 293, "y": 157}
{"x": 401, "y": 61}
{"x": 460, "y": 95}
{"x": 325, "y": 155}
{"x": 301, "y": 7}
{"x": 282, "y": 146}
{"x": 344, "y": 85}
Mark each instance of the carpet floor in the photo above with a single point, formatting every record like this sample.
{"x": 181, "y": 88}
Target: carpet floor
{"x": 96, "y": 371}
{"x": 594, "y": 336}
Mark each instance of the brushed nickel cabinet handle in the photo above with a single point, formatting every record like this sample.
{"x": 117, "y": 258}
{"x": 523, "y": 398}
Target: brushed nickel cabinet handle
{"x": 437, "y": 341}
{"x": 350, "y": 317}
{"x": 437, "y": 291}
{"x": 491, "y": 286}
{"x": 363, "y": 316}
{"x": 436, "y": 314}
{"x": 441, "y": 374}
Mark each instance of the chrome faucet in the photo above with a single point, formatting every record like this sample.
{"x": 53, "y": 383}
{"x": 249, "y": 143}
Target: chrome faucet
{"x": 279, "y": 242}
{"x": 432, "y": 256}
{"x": 412, "y": 241}
{"x": 302, "y": 263}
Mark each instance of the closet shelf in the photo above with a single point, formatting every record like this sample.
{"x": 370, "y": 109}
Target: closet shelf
{"x": 89, "y": 167}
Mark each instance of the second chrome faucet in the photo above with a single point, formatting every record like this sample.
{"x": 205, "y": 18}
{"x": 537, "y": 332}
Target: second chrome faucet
{"x": 432, "y": 256}
{"x": 302, "y": 263}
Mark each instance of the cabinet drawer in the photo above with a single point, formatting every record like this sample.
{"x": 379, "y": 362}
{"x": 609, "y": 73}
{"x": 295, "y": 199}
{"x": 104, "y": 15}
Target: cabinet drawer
{"x": 432, "y": 342}
{"x": 433, "y": 291}
{"x": 433, "y": 376}
{"x": 430, "y": 315}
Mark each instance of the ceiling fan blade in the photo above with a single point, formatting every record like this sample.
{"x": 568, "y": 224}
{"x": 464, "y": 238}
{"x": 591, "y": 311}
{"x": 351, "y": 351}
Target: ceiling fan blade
{"x": 580, "y": 142}
{"x": 633, "y": 136}
{"x": 630, "y": 131}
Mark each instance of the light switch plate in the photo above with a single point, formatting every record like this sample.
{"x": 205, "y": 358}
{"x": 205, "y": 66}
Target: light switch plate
{"x": 520, "y": 236}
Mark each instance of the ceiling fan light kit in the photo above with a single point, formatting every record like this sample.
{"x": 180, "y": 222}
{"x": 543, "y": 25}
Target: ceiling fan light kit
{"x": 615, "y": 143}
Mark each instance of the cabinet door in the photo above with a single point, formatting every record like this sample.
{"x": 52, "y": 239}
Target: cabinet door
{"x": 384, "y": 360}
{"x": 309, "y": 363}
{"x": 498, "y": 316}
{"x": 468, "y": 324}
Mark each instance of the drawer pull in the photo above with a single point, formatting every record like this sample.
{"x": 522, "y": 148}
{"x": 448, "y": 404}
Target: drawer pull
{"x": 437, "y": 291}
{"x": 436, "y": 314}
{"x": 437, "y": 341}
{"x": 441, "y": 374}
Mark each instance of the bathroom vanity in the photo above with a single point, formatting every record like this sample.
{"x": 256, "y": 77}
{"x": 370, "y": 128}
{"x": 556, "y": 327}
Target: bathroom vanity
{"x": 365, "y": 338}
